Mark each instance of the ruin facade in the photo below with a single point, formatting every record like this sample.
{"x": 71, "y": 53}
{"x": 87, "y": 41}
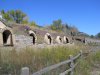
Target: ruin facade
{"x": 33, "y": 35}
{"x": 59, "y": 40}
{"x": 7, "y": 37}
{"x": 66, "y": 40}
{"x": 48, "y": 39}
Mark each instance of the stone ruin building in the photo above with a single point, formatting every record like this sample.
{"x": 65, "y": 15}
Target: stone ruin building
{"x": 6, "y": 35}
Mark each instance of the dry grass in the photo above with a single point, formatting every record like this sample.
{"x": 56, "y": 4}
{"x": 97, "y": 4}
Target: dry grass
{"x": 11, "y": 61}
{"x": 86, "y": 65}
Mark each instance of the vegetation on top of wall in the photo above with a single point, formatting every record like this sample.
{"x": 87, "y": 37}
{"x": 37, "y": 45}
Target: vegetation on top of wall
{"x": 14, "y": 15}
{"x": 19, "y": 17}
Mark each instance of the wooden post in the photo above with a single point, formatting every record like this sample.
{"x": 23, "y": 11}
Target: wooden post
{"x": 71, "y": 65}
{"x": 25, "y": 71}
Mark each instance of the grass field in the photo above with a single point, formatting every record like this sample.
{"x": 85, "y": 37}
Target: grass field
{"x": 89, "y": 64}
{"x": 11, "y": 61}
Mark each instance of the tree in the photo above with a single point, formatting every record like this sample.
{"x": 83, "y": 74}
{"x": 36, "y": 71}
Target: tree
{"x": 20, "y": 16}
{"x": 33, "y": 23}
{"x": 98, "y": 35}
{"x": 57, "y": 25}
{"x": 2, "y": 12}
{"x": 74, "y": 31}
{"x": 7, "y": 17}
{"x": 66, "y": 28}
{"x": 14, "y": 15}
{"x": 92, "y": 36}
{"x": 25, "y": 20}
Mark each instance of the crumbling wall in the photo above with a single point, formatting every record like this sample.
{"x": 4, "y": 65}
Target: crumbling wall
{"x": 22, "y": 40}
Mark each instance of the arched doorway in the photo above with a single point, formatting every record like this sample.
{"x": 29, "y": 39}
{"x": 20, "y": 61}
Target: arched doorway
{"x": 7, "y": 38}
{"x": 67, "y": 41}
{"x": 60, "y": 39}
{"x": 33, "y": 35}
{"x": 34, "y": 38}
{"x": 49, "y": 37}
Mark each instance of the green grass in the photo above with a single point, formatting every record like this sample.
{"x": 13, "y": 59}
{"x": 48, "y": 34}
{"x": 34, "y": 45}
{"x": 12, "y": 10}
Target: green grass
{"x": 86, "y": 65}
{"x": 11, "y": 61}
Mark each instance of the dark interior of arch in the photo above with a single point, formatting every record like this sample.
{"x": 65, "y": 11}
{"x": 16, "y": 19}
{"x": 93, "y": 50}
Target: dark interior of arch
{"x": 6, "y": 34}
{"x": 49, "y": 37}
{"x": 33, "y": 36}
{"x": 67, "y": 41}
{"x": 60, "y": 39}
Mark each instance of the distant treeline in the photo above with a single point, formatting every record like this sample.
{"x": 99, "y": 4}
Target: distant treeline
{"x": 17, "y": 16}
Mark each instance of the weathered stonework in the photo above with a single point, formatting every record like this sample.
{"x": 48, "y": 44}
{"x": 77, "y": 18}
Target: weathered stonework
{"x": 6, "y": 35}
{"x": 59, "y": 40}
{"x": 48, "y": 39}
{"x": 33, "y": 35}
{"x": 66, "y": 40}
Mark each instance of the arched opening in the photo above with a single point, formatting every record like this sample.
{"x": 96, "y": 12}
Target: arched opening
{"x": 49, "y": 37}
{"x": 34, "y": 38}
{"x": 7, "y": 38}
{"x": 60, "y": 39}
{"x": 84, "y": 41}
{"x": 67, "y": 41}
{"x": 78, "y": 39}
{"x": 33, "y": 35}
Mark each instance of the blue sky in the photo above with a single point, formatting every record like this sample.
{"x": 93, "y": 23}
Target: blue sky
{"x": 84, "y": 14}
